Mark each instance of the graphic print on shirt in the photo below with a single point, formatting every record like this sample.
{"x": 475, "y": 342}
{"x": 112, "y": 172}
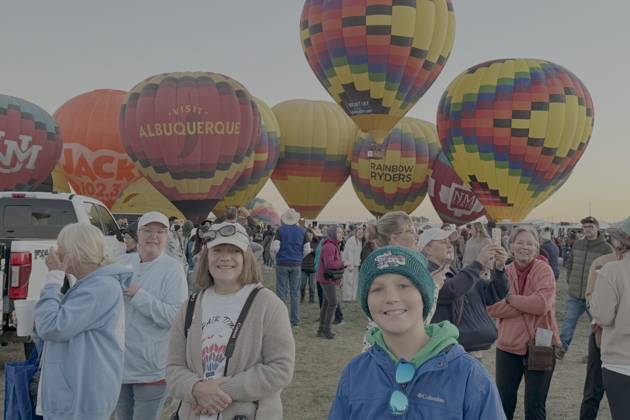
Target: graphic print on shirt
{"x": 212, "y": 357}
{"x": 213, "y": 345}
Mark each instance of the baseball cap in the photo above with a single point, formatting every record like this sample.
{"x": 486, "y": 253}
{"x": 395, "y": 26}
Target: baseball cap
{"x": 227, "y": 233}
{"x": 435, "y": 234}
{"x": 589, "y": 219}
{"x": 153, "y": 217}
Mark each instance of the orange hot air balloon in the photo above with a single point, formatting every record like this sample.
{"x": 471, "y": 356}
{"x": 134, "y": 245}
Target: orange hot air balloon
{"x": 94, "y": 158}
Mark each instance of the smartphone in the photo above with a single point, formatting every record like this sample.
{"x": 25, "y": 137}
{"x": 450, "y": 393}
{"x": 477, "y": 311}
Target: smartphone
{"x": 496, "y": 236}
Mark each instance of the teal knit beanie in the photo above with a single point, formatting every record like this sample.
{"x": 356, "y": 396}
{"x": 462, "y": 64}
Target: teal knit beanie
{"x": 398, "y": 260}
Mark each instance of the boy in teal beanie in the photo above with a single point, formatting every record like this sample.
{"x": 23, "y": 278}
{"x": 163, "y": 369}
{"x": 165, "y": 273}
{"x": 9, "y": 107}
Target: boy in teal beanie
{"x": 413, "y": 370}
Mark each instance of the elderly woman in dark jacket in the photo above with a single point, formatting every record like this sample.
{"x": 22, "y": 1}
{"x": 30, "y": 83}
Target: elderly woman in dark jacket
{"x": 465, "y": 289}
{"x": 308, "y": 270}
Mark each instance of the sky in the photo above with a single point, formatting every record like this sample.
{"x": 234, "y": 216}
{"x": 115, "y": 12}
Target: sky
{"x": 53, "y": 51}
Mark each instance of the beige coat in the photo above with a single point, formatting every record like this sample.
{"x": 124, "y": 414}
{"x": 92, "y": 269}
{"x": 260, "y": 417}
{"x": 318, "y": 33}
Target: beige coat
{"x": 610, "y": 307}
{"x": 261, "y": 367}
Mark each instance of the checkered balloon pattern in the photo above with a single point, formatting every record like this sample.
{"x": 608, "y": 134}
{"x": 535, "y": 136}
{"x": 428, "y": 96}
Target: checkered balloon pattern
{"x": 514, "y": 130}
{"x": 398, "y": 182}
{"x": 377, "y": 58}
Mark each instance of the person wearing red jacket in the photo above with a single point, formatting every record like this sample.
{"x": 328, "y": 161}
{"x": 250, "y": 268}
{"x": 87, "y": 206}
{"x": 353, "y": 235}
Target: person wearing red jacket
{"x": 330, "y": 259}
{"x": 529, "y": 305}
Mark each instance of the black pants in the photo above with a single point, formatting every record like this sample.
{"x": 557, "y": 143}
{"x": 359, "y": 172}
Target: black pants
{"x": 327, "y": 312}
{"x": 320, "y": 296}
{"x": 618, "y": 392}
{"x": 594, "y": 384}
{"x": 510, "y": 371}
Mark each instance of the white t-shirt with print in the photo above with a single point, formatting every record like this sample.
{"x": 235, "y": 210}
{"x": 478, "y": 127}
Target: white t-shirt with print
{"x": 219, "y": 314}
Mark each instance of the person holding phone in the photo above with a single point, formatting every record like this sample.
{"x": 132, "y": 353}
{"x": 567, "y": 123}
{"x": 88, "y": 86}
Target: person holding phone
{"x": 464, "y": 296}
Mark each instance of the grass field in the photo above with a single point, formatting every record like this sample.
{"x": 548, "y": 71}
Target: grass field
{"x": 319, "y": 363}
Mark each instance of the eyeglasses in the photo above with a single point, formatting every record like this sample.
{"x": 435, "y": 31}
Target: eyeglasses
{"x": 225, "y": 231}
{"x": 160, "y": 233}
{"x": 398, "y": 402}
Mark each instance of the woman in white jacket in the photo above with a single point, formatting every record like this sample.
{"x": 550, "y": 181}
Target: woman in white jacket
{"x": 352, "y": 253}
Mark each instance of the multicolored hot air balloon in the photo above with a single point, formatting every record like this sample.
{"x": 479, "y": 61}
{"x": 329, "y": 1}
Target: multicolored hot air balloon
{"x": 514, "y": 129}
{"x": 260, "y": 165}
{"x": 56, "y": 181}
{"x": 451, "y": 198}
{"x": 314, "y": 162}
{"x": 398, "y": 182}
{"x": 377, "y": 58}
{"x": 141, "y": 197}
{"x": 191, "y": 135}
{"x": 94, "y": 159}
{"x": 30, "y": 144}
{"x": 262, "y": 212}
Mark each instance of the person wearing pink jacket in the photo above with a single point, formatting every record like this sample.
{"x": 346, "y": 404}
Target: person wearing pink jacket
{"x": 529, "y": 305}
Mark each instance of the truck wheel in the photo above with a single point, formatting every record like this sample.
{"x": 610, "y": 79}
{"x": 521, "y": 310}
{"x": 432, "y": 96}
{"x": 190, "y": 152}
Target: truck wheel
{"x": 28, "y": 349}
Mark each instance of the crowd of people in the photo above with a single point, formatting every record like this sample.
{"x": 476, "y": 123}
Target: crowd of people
{"x": 184, "y": 313}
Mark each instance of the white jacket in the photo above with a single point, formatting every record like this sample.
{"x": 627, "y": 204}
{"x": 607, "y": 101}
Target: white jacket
{"x": 352, "y": 251}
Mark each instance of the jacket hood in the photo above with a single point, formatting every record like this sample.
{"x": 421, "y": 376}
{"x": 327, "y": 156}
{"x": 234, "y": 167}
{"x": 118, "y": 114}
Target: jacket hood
{"x": 327, "y": 240}
{"x": 442, "y": 335}
{"x": 121, "y": 273}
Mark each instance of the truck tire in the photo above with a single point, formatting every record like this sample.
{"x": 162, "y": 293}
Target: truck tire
{"x": 28, "y": 349}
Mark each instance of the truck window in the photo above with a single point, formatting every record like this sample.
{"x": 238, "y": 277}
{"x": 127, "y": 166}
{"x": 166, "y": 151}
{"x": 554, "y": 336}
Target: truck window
{"x": 92, "y": 212}
{"x": 34, "y": 218}
{"x": 108, "y": 221}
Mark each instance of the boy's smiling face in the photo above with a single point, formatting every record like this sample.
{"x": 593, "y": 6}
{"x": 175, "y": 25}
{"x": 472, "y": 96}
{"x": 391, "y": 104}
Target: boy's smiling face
{"x": 395, "y": 304}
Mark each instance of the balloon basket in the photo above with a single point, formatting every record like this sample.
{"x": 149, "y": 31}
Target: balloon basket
{"x": 375, "y": 152}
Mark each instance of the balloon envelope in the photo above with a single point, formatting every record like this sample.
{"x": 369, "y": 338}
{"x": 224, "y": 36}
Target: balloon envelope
{"x": 141, "y": 197}
{"x": 377, "y": 58}
{"x": 191, "y": 135}
{"x": 451, "y": 198}
{"x": 314, "y": 162}
{"x": 260, "y": 165}
{"x": 263, "y": 212}
{"x": 398, "y": 182}
{"x": 94, "y": 159}
{"x": 56, "y": 181}
{"x": 514, "y": 130}
{"x": 30, "y": 144}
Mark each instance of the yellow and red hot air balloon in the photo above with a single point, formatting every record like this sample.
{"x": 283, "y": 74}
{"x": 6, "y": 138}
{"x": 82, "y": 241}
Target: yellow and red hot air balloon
{"x": 30, "y": 144}
{"x": 398, "y": 182}
{"x": 377, "y": 58}
{"x": 262, "y": 212}
{"x": 56, "y": 181}
{"x": 314, "y": 162}
{"x": 191, "y": 135}
{"x": 94, "y": 159}
{"x": 260, "y": 165}
{"x": 141, "y": 197}
{"x": 514, "y": 129}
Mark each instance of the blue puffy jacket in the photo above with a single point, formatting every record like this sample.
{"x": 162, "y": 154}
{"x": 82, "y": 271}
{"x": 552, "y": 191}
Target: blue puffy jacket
{"x": 449, "y": 386}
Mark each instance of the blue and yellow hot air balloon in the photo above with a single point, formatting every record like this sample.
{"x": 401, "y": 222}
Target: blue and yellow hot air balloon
{"x": 377, "y": 58}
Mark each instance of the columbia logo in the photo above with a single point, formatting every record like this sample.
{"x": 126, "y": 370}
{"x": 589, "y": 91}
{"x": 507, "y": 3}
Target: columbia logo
{"x": 431, "y": 398}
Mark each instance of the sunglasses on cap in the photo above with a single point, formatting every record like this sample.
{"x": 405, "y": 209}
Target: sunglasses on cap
{"x": 225, "y": 231}
{"x": 398, "y": 402}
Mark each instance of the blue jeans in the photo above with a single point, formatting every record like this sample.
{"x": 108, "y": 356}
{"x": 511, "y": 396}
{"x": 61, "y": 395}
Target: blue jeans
{"x": 575, "y": 309}
{"x": 140, "y": 402}
{"x": 288, "y": 279}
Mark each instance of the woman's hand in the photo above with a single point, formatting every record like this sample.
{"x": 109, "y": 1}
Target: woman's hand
{"x": 439, "y": 276}
{"x": 53, "y": 262}
{"x": 133, "y": 289}
{"x": 14, "y": 319}
{"x": 347, "y": 264}
{"x": 210, "y": 397}
{"x": 500, "y": 257}
{"x": 487, "y": 253}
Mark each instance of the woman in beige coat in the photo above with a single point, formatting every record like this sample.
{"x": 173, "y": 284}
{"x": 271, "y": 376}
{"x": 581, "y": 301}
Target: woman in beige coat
{"x": 249, "y": 383}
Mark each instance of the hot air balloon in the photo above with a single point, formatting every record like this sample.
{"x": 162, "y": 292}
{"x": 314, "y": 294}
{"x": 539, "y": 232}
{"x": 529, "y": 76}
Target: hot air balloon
{"x": 377, "y": 59}
{"x": 451, "y": 198}
{"x": 513, "y": 130}
{"x": 56, "y": 181}
{"x": 141, "y": 197}
{"x": 262, "y": 212}
{"x": 260, "y": 165}
{"x": 94, "y": 159}
{"x": 398, "y": 182}
{"x": 30, "y": 144}
{"x": 314, "y": 162}
{"x": 191, "y": 135}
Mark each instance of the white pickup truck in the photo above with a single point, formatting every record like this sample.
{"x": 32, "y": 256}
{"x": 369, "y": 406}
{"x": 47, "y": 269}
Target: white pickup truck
{"x": 29, "y": 225}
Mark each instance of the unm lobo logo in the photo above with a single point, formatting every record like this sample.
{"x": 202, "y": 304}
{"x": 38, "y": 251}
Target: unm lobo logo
{"x": 23, "y": 153}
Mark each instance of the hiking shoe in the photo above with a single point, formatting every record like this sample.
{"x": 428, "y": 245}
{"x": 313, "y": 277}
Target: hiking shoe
{"x": 560, "y": 354}
{"x": 328, "y": 335}
{"x": 295, "y": 324}
{"x": 339, "y": 322}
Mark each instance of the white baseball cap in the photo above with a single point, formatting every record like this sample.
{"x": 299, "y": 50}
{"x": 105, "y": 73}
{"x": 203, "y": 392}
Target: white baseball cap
{"x": 153, "y": 217}
{"x": 235, "y": 234}
{"x": 435, "y": 234}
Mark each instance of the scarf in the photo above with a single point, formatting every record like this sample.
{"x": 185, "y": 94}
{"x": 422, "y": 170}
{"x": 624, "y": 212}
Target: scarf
{"x": 522, "y": 274}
